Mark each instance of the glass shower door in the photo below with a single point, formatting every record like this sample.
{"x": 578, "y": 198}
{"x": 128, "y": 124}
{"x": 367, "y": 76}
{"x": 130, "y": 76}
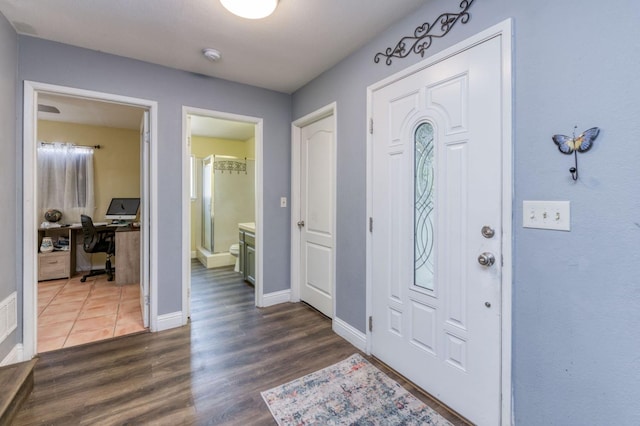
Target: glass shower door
{"x": 207, "y": 203}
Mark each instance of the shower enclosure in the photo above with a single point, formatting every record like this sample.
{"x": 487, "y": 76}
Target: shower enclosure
{"x": 228, "y": 198}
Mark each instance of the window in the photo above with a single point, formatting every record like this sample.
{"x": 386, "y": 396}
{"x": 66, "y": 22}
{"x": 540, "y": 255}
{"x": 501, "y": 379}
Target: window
{"x": 193, "y": 182}
{"x": 65, "y": 180}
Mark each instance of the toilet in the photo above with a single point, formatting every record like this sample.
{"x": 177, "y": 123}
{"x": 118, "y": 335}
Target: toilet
{"x": 234, "y": 250}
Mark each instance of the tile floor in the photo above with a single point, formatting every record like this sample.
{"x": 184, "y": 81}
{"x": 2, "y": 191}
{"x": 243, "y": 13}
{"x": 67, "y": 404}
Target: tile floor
{"x": 71, "y": 312}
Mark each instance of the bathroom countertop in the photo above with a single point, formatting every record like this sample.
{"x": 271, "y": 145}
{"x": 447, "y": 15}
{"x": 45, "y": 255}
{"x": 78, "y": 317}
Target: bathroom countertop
{"x": 248, "y": 226}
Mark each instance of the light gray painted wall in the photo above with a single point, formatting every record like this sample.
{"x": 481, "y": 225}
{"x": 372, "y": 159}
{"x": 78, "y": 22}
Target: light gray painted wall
{"x": 9, "y": 264}
{"x": 576, "y": 298}
{"x": 60, "y": 64}
{"x": 576, "y": 316}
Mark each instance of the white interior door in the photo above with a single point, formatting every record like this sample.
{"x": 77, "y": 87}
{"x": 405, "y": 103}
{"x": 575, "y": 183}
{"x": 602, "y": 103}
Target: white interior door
{"x": 436, "y": 182}
{"x": 144, "y": 240}
{"x": 317, "y": 198}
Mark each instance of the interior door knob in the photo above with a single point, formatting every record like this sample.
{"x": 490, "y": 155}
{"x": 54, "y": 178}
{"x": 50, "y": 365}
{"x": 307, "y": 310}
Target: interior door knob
{"x": 300, "y": 223}
{"x": 486, "y": 259}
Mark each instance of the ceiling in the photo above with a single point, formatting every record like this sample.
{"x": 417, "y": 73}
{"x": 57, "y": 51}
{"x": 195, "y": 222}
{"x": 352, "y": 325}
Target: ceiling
{"x": 85, "y": 111}
{"x": 282, "y": 52}
{"x": 108, "y": 114}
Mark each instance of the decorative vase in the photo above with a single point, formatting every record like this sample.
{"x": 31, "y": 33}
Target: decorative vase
{"x": 53, "y": 215}
{"x": 47, "y": 245}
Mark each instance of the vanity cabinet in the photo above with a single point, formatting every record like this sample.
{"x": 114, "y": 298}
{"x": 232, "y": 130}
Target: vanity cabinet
{"x": 247, "y": 249}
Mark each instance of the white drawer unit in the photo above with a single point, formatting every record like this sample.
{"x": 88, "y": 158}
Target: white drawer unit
{"x": 54, "y": 265}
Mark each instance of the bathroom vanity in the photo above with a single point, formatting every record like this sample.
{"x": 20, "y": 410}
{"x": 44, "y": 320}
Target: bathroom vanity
{"x": 247, "y": 241}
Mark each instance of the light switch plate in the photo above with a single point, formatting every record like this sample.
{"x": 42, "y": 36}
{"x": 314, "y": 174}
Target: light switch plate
{"x": 555, "y": 215}
{"x": 283, "y": 201}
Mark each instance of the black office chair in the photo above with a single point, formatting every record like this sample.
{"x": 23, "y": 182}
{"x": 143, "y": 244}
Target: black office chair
{"x": 98, "y": 241}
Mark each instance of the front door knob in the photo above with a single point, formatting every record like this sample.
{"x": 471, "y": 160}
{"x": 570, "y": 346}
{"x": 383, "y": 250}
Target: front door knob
{"x": 488, "y": 232}
{"x": 300, "y": 224}
{"x": 486, "y": 259}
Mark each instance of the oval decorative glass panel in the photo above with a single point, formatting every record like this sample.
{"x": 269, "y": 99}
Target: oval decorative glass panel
{"x": 424, "y": 173}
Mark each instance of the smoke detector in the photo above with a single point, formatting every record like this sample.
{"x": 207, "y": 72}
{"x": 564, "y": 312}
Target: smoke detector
{"x": 211, "y": 54}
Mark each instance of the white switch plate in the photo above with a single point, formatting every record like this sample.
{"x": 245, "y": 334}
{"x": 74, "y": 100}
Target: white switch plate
{"x": 554, "y": 215}
{"x": 283, "y": 201}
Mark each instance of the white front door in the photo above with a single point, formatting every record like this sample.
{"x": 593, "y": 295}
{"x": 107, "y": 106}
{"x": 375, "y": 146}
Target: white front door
{"x": 436, "y": 183}
{"x": 317, "y": 195}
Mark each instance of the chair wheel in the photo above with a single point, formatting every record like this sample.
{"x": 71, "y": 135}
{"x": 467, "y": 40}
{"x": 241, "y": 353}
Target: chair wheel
{"x": 83, "y": 279}
{"x": 110, "y": 278}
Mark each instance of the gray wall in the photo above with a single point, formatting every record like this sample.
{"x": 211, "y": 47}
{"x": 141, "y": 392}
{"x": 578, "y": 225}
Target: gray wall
{"x": 8, "y": 195}
{"x": 576, "y": 294}
{"x": 55, "y": 63}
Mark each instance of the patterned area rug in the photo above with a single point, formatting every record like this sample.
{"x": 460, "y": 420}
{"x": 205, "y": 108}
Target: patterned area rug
{"x": 351, "y": 392}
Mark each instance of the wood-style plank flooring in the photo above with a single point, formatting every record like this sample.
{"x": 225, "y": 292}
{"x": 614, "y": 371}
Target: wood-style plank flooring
{"x": 209, "y": 372}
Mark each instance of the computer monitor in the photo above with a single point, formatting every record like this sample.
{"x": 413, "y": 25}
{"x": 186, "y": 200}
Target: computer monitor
{"x": 123, "y": 209}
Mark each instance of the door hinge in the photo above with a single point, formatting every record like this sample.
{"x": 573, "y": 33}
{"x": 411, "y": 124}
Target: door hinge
{"x": 146, "y": 300}
{"x": 370, "y": 224}
{"x": 371, "y": 125}
{"x": 370, "y": 323}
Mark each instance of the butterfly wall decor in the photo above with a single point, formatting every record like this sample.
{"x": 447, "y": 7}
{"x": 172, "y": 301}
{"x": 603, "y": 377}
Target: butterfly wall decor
{"x": 572, "y": 145}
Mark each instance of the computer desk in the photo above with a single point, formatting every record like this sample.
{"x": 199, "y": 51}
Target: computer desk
{"x": 62, "y": 264}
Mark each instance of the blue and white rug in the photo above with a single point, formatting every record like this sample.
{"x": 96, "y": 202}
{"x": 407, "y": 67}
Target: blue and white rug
{"x": 351, "y": 392}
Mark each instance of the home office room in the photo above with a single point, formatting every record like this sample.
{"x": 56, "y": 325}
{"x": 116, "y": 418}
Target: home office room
{"x": 88, "y": 199}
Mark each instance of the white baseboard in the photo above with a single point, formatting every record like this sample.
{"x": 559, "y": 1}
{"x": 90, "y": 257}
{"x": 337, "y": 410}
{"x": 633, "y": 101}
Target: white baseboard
{"x": 350, "y": 334}
{"x": 276, "y": 298}
{"x": 168, "y": 321}
{"x": 15, "y": 355}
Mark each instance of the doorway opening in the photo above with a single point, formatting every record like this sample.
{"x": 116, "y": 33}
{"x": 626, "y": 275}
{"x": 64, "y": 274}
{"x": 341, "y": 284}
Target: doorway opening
{"x": 99, "y": 147}
{"x": 222, "y": 197}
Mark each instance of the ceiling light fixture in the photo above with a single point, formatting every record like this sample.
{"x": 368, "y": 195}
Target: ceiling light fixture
{"x": 250, "y": 9}
{"x": 211, "y": 54}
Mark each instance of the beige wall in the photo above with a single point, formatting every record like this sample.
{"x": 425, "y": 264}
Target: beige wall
{"x": 116, "y": 165}
{"x": 202, "y": 147}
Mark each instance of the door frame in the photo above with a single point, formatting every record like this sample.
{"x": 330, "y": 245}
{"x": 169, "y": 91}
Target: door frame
{"x": 503, "y": 30}
{"x": 186, "y": 201}
{"x": 29, "y": 207}
{"x": 330, "y": 110}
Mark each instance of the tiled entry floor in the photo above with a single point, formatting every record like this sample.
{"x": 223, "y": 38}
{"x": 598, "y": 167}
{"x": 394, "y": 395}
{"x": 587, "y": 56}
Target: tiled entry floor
{"x": 71, "y": 312}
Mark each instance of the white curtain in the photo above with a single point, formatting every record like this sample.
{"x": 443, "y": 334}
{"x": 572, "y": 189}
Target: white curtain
{"x": 65, "y": 180}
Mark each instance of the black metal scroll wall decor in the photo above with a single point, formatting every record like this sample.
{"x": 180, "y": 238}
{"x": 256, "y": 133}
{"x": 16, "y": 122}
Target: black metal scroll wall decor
{"x": 573, "y": 145}
{"x": 423, "y": 35}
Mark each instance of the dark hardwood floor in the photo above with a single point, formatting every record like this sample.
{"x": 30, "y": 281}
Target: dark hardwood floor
{"x": 209, "y": 372}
